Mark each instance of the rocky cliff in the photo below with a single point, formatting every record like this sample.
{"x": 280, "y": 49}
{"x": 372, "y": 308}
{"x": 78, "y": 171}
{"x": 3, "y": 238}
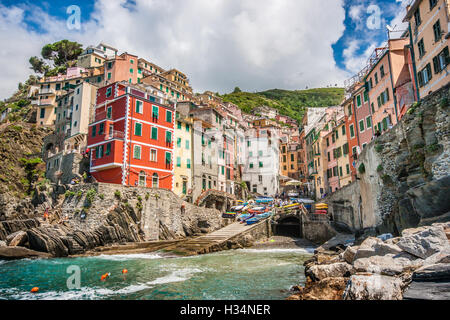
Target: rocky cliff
{"x": 90, "y": 215}
{"x": 22, "y": 172}
{"x": 413, "y": 266}
{"x": 403, "y": 176}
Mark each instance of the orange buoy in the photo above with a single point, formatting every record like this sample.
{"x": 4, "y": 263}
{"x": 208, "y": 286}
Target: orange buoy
{"x": 124, "y": 271}
{"x": 106, "y": 275}
{"x": 35, "y": 289}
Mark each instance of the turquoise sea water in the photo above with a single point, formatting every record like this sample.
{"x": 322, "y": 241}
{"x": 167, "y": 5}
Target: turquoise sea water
{"x": 230, "y": 275}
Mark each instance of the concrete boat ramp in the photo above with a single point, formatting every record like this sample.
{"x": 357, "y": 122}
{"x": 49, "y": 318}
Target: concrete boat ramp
{"x": 235, "y": 235}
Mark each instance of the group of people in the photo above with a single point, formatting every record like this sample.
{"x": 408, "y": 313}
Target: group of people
{"x": 50, "y": 217}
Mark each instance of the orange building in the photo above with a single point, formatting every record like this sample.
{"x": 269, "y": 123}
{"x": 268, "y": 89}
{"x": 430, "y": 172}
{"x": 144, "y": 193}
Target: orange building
{"x": 429, "y": 38}
{"x": 122, "y": 68}
{"x": 131, "y": 138}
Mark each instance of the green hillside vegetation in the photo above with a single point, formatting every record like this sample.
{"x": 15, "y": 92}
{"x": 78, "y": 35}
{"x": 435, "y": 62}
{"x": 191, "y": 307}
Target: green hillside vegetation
{"x": 289, "y": 103}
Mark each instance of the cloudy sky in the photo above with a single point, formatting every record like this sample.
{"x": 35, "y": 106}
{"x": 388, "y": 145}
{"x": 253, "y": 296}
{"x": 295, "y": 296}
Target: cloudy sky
{"x": 219, "y": 44}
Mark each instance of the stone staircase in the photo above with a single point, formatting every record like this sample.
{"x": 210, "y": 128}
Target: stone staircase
{"x": 213, "y": 242}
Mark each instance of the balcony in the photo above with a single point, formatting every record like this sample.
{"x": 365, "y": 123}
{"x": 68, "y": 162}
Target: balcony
{"x": 118, "y": 135}
{"x": 45, "y": 102}
{"x": 103, "y": 164}
{"x": 99, "y": 116}
{"x": 47, "y": 91}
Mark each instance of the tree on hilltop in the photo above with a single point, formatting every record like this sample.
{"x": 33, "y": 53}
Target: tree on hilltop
{"x": 61, "y": 55}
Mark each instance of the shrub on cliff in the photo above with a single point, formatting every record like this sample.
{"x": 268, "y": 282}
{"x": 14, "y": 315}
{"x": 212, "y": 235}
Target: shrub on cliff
{"x": 362, "y": 168}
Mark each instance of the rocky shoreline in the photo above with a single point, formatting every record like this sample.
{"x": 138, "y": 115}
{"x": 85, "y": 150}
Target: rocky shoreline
{"x": 414, "y": 266}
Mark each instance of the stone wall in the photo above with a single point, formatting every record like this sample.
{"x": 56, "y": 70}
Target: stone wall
{"x": 405, "y": 180}
{"x": 317, "y": 232}
{"x": 159, "y": 212}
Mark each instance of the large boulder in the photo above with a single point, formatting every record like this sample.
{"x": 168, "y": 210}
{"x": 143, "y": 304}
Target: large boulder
{"x": 17, "y": 239}
{"x": 427, "y": 291}
{"x": 440, "y": 257}
{"x": 373, "y": 287}
{"x": 424, "y": 242}
{"x": 340, "y": 240}
{"x": 47, "y": 240}
{"x": 320, "y": 272}
{"x": 375, "y": 247}
{"x": 349, "y": 254}
{"x": 326, "y": 289}
{"x": 434, "y": 272}
{"x": 388, "y": 264}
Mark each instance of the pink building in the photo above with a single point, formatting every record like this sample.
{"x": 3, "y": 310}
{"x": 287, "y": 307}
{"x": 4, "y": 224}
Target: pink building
{"x": 385, "y": 71}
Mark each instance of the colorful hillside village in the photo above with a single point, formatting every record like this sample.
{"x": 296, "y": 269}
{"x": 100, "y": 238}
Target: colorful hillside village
{"x": 122, "y": 119}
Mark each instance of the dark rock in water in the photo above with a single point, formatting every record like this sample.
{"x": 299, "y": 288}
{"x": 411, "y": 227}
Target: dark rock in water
{"x": 427, "y": 291}
{"x": 46, "y": 240}
{"x": 13, "y": 253}
{"x": 434, "y": 272}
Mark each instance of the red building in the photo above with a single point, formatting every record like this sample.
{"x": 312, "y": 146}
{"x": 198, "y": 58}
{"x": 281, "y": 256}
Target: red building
{"x": 131, "y": 138}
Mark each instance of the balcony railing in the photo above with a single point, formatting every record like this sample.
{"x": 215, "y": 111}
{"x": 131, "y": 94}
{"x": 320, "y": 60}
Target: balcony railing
{"x": 115, "y": 135}
{"x": 46, "y": 91}
{"x": 101, "y": 116}
{"x": 45, "y": 102}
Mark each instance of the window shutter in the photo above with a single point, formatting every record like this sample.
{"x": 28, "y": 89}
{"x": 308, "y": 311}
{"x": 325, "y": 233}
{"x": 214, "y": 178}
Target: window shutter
{"x": 137, "y": 152}
{"x": 436, "y": 64}
{"x": 138, "y": 129}
{"x": 168, "y": 116}
{"x": 154, "y": 133}
{"x": 429, "y": 72}
{"x": 420, "y": 77}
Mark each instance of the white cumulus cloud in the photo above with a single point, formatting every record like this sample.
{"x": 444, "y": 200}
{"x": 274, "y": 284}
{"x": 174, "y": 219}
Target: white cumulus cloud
{"x": 219, "y": 44}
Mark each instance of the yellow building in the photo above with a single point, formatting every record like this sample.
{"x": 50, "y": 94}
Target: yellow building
{"x": 183, "y": 156}
{"x": 429, "y": 32}
{"x": 91, "y": 59}
{"x": 178, "y": 77}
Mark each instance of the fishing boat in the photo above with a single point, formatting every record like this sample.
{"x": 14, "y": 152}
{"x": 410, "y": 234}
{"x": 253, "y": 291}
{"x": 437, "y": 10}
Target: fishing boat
{"x": 264, "y": 215}
{"x": 237, "y": 208}
{"x": 229, "y": 215}
{"x": 257, "y": 210}
{"x": 292, "y": 206}
{"x": 243, "y": 216}
{"x": 252, "y": 221}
